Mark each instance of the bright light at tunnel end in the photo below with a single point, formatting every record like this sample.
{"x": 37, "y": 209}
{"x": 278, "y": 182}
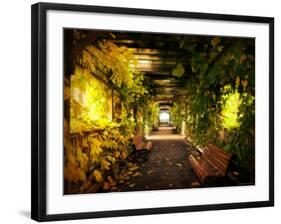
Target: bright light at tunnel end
{"x": 164, "y": 116}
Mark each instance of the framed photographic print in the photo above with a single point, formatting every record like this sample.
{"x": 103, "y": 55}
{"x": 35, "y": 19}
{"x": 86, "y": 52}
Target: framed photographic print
{"x": 138, "y": 111}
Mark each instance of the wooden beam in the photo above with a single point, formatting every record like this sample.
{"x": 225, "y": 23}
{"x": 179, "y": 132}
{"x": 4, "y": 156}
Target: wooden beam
{"x": 166, "y": 81}
{"x": 167, "y": 91}
{"x": 153, "y": 57}
{"x": 153, "y": 45}
{"x": 165, "y": 105}
{"x": 157, "y": 52}
{"x": 169, "y": 99}
{"x": 167, "y": 86}
{"x": 154, "y": 68}
{"x": 149, "y": 62}
{"x": 164, "y": 75}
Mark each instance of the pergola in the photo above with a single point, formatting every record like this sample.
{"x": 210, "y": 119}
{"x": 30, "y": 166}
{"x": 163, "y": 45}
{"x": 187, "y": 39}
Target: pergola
{"x": 157, "y": 56}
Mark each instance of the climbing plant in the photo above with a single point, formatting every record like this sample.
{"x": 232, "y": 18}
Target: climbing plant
{"x": 177, "y": 114}
{"x": 98, "y": 144}
{"x": 220, "y": 93}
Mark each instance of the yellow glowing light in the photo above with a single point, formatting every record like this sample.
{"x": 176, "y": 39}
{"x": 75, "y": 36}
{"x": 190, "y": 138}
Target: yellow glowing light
{"x": 144, "y": 62}
{"x": 91, "y": 101}
{"x": 230, "y": 110}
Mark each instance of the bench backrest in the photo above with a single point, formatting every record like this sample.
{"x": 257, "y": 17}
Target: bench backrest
{"x": 137, "y": 140}
{"x": 217, "y": 157}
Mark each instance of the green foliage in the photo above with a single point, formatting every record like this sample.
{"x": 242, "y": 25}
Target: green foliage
{"x": 93, "y": 156}
{"x": 152, "y": 115}
{"x": 220, "y": 96}
{"x": 176, "y": 113}
{"x": 230, "y": 110}
{"x": 90, "y": 102}
{"x": 136, "y": 93}
{"x": 179, "y": 70}
{"x": 155, "y": 114}
{"x": 113, "y": 61}
{"x": 96, "y": 146}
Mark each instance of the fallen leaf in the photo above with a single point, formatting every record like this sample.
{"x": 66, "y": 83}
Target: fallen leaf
{"x": 114, "y": 188}
{"x": 195, "y": 184}
{"x": 110, "y": 179}
{"x": 97, "y": 176}
{"x": 132, "y": 185}
{"x": 215, "y": 41}
{"x": 94, "y": 188}
{"x": 137, "y": 174}
{"x": 105, "y": 186}
{"x": 86, "y": 185}
{"x": 133, "y": 168}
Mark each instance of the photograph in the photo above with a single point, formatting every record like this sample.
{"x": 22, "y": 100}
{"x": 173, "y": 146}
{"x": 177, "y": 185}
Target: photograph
{"x": 151, "y": 111}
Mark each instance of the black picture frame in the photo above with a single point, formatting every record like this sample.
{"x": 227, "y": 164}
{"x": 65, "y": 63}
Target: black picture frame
{"x": 38, "y": 108}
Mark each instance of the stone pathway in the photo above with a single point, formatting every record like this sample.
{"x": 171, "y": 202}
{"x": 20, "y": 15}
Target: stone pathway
{"x": 166, "y": 166}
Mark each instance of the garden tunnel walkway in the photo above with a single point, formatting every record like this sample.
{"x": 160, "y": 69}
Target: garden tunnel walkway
{"x": 166, "y": 166}
{"x": 113, "y": 78}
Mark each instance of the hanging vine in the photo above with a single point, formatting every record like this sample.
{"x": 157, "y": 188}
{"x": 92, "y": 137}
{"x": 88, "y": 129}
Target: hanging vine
{"x": 220, "y": 95}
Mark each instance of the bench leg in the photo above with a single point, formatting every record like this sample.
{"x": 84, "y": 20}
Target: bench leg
{"x": 210, "y": 181}
{"x": 141, "y": 155}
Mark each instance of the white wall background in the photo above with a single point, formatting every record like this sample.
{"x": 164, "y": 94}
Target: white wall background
{"x": 15, "y": 110}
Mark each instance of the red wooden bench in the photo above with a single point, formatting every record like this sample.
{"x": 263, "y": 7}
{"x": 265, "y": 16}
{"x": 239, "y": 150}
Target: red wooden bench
{"x": 141, "y": 148}
{"x": 212, "y": 164}
{"x": 140, "y": 144}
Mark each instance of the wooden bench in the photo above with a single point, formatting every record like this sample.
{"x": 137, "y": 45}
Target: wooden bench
{"x": 140, "y": 144}
{"x": 212, "y": 164}
{"x": 141, "y": 148}
{"x": 174, "y": 130}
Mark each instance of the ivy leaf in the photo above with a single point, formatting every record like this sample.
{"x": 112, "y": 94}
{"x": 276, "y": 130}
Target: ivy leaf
{"x": 190, "y": 47}
{"x": 182, "y": 43}
{"x": 244, "y": 83}
{"x": 179, "y": 70}
{"x": 82, "y": 175}
{"x": 105, "y": 165}
{"x": 237, "y": 81}
{"x": 116, "y": 154}
{"x": 124, "y": 154}
{"x": 215, "y": 41}
{"x": 66, "y": 93}
{"x": 112, "y": 35}
{"x": 203, "y": 68}
{"x": 97, "y": 176}
{"x": 220, "y": 48}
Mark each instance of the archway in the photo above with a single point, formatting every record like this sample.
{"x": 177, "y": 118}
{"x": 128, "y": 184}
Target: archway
{"x": 164, "y": 118}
